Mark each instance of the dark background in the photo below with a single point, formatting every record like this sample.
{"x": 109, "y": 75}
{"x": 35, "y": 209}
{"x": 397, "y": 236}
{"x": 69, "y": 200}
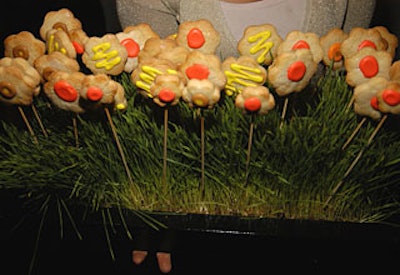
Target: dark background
{"x": 194, "y": 251}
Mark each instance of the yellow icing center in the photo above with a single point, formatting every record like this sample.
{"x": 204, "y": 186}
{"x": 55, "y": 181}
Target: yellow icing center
{"x": 261, "y": 45}
{"x": 108, "y": 58}
{"x": 242, "y": 76}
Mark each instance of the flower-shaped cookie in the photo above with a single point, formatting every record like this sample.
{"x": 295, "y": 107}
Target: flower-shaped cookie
{"x": 360, "y": 38}
{"x": 19, "y": 81}
{"x": 147, "y": 71}
{"x": 55, "y": 61}
{"x": 59, "y": 41}
{"x": 105, "y": 55}
{"x": 24, "y": 44}
{"x": 166, "y": 48}
{"x": 389, "y": 39}
{"x": 365, "y": 97}
{"x": 133, "y": 39}
{"x": 295, "y": 40}
{"x": 201, "y": 93}
{"x": 61, "y": 19}
{"x": 365, "y": 64}
{"x": 242, "y": 72}
{"x": 292, "y": 71}
{"x": 389, "y": 98}
{"x": 167, "y": 89}
{"x": 394, "y": 71}
{"x": 255, "y": 100}
{"x": 330, "y": 44}
{"x": 199, "y": 65}
{"x": 198, "y": 35}
{"x": 63, "y": 89}
{"x": 98, "y": 90}
{"x": 260, "y": 42}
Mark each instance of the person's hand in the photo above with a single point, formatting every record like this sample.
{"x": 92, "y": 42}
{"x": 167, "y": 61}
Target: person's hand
{"x": 163, "y": 259}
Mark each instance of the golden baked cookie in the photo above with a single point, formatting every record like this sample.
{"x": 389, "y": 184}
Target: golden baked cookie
{"x": 261, "y": 42}
{"x": 394, "y": 71}
{"x": 59, "y": 41}
{"x": 55, "y": 61}
{"x": 292, "y": 71}
{"x": 360, "y": 38}
{"x": 390, "y": 40}
{"x": 198, "y": 35}
{"x": 25, "y": 45}
{"x": 120, "y": 101}
{"x": 201, "y": 93}
{"x": 166, "y": 48}
{"x": 63, "y": 89}
{"x": 167, "y": 89}
{"x": 133, "y": 39}
{"x": 330, "y": 44}
{"x": 242, "y": 72}
{"x": 255, "y": 100}
{"x": 62, "y": 19}
{"x": 365, "y": 97}
{"x": 295, "y": 40}
{"x": 204, "y": 66}
{"x": 367, "y": 63}
{"x": 97, "y": 91}
{"x": 146, "y": 72}
{"x": 105, "y": 55}
{"x": 389, "y": 98}
{"x": 18, "y": 81}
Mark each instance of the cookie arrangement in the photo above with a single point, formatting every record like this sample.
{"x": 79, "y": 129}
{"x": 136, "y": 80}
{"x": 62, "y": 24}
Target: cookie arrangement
{"x": 222, "y": 128}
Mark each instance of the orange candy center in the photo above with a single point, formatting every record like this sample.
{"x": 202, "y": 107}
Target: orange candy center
{"x": 166, "y": 95}
{"x": 369, "y": 66}
{"x": 65, "y": 91}
{"x": 252, "y": 104}
{"x": 94, "y": 93}
{"x": 195, "y": 38}
{"x": 296, "y": 71}
{"x": 131, "y": 47}
{"x": 197, "y": 71}
{"x": 334, "y": 52}
{"x": 391, "y": 97}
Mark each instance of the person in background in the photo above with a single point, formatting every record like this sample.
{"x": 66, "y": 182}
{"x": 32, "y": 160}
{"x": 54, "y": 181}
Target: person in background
{"x": 230, "y": 18}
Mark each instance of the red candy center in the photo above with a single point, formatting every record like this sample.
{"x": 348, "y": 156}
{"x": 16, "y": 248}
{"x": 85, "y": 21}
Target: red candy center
{"x": 301, "y": 44}
{"x": 65, "y": 91}
{"x": 391, "y": 97}
{"x": 374, "y": 103}
{"x": 195, "y": 38}
{"x": 369, "y": 66}
{"x": 197, "y": 71}
{"x": 366, "y": 43}
{"x": 79, "y": 48}
{"x": 94, "y": 93}
{"x": 131, "y": 47}
{"x": 252, "y": 104}
{"x": 296, "y": 71}
{"x": 166, "y": 95}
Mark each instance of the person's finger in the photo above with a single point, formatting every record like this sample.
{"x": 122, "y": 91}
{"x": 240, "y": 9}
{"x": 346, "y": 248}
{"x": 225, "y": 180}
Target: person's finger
{"x": 164, "y": 261}
{"x": 138, "y": 256}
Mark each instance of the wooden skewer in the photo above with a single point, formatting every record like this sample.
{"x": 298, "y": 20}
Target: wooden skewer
{"x": 28, "y": 125}
{"x": 164, "y": 176}
{"x": 249, "y": 146}
{"x": 202, "y": 184}
{"x": 36, "y": 113}
{"x": 285, "y": 106}
{"x": 121, "y": 151}
{"x": 75, "y": 126}
{"x": 364, "y": 119}
{"x": 353, "y": 164}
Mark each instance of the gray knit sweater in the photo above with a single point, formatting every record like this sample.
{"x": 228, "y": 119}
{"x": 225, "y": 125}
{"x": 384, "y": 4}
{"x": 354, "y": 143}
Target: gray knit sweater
{"x": 164, "y": 16}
